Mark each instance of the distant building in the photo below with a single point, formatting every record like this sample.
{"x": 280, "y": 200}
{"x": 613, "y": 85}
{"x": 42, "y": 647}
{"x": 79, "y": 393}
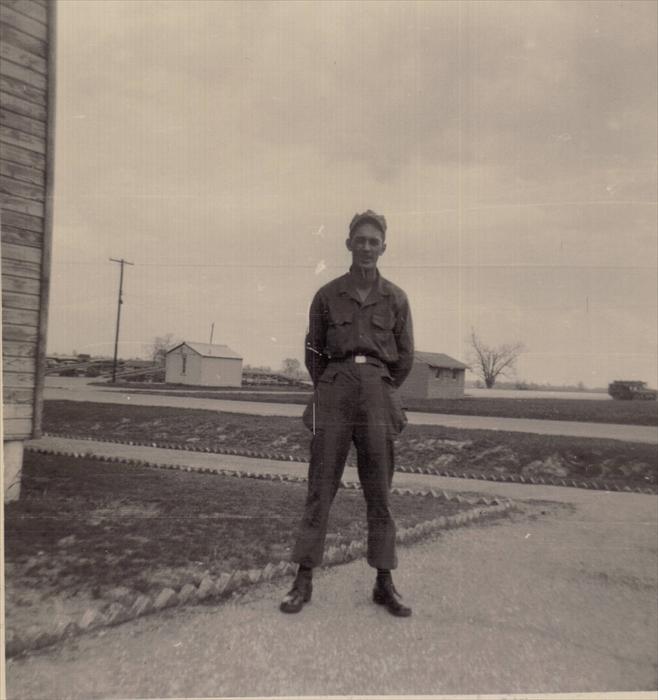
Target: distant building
{"x": 203, "y": 364}
{"x": 434, "y": 376}
{"x": 27, "y": 99}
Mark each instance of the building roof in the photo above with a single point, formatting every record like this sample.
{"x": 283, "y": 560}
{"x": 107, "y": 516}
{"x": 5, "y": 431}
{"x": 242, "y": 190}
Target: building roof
{"x": 438, "y": 359}
{"x": 208, "y": 350}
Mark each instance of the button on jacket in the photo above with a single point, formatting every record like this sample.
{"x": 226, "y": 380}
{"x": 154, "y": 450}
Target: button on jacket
{"x": 342, "y": 325}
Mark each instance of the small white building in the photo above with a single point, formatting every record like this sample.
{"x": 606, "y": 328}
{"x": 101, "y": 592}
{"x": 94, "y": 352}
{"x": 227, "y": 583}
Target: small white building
{"x": 434, "y": 376}
{"x": 203, "y": 364}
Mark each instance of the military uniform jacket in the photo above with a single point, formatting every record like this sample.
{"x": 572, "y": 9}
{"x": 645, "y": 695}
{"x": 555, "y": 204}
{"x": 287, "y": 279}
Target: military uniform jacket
{"x": 342, "y": 325}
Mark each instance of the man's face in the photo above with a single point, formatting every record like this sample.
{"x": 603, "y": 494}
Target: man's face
{"x": 366, "y": 245}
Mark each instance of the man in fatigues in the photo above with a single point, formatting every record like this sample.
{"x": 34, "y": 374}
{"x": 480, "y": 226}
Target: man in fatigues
{"x": 359, "y": 350}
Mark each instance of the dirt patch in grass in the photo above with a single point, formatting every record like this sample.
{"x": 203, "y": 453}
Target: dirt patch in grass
{"x": 477, "y": 451}
{"x": 578, "y": 410}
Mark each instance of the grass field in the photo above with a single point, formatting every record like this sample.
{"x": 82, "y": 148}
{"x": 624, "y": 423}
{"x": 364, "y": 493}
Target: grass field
{"x": 86, "y": 525}
{"x": 580, "y": 410}
{"x": 418, "y": 446}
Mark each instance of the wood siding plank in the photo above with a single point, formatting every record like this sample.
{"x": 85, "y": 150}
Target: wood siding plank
{"x": 24, "y": 75}
{"x": 19, "y": 268}
{"x": 21, "y": 156}
{"x": 21, "y": 106}
{"x": 21, "y": 89}
{"x": 15, "y": 349}
{"x": 17, "y": 429}
{"x": 20, "y": 205}
{"x": 34, "y": 10}
{"x": 20, "y": 365}
{"x": 17, "y": 138}
{"x": 20, "y": 317}
{"x": 21, "y": 172}
{"x": 10, "y": 251}
{"x": 21, "y": 285}
{"x": 18, "y": 380}
{"x": 16, "y": 188}
{"x": 23, "y": 23}
{"x": 20, "y": 122}
{"x": 17, "y": 410}
{"x": 15, "y": 236}
{"x": 23, "y": 58}
{"x": 19, "y": 333}
{"x": 23, "y": 41}
{"x": 13, "y": 395}
{"x": 22, "y": 221}
{"x": 16, "y": 300}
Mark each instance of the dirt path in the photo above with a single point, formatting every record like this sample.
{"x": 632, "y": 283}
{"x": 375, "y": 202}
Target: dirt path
{"x": 562, "y": 602}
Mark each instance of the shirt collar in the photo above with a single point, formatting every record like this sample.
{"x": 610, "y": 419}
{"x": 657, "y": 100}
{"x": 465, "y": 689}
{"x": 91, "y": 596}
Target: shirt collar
{"x": 347, "y": 286}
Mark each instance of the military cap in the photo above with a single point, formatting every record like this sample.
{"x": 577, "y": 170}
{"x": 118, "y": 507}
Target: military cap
{"x": 368, "y": 216}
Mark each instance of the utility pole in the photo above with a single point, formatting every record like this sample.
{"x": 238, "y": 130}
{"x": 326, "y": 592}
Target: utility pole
{"x": 122, "y": 262}
{"x": 212, "y": 330}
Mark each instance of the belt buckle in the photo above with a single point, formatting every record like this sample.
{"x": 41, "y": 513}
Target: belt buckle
{"x": 360, "y": 359}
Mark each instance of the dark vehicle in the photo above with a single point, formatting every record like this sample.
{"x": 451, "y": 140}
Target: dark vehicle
{"x": 625, "y": 390}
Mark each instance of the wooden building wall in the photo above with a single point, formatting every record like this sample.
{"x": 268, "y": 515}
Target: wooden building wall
{"x": 27, "y": 101}
{"x": 174, "y": 366}
{"x": 415, "y": 385}
{"x": 426, "y": 382}
{"x": 445, "y": 383}
{"x": 221, "y": 371}
{"x": 200, "y": 370}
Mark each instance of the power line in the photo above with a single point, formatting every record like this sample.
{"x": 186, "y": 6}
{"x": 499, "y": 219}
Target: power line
{"x": 443, "y": 266}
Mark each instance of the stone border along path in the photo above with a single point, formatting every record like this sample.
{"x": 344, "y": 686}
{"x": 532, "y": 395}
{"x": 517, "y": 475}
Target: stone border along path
{"x": 596, "y": 484}
{"x": 133, "y": 605}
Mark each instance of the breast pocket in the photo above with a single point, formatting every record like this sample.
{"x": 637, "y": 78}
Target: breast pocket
{"x": 382, "y": 331}
{"x": 383, "y": 322}
{"x": 339, "y": 333}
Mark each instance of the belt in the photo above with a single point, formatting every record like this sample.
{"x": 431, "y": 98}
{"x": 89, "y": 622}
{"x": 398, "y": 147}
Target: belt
{"x": 360, "y": 359}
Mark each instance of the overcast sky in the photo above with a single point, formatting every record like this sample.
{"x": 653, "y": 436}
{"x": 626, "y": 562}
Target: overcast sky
{"x": 223, "y": 148}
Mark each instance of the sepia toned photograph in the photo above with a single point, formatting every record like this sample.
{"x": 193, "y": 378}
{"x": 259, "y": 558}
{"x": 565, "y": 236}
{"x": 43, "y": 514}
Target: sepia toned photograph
{"x": 329, "y": 349}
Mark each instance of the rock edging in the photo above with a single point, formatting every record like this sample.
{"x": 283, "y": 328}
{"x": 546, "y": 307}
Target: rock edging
{"x": 129, "y": 605}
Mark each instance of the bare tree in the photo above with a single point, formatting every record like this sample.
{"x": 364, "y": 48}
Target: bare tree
{"x": 489, "y": 363}
{"x": 161, "y": 344}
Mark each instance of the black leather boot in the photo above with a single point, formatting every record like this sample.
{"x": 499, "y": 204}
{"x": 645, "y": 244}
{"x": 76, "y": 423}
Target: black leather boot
{"x": 298, "y": 595}
{"x": 384, "y": 593}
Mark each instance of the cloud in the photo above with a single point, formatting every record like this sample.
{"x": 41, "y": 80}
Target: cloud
{"x": 500, "y": 139}
{"x": 275, "y": 86}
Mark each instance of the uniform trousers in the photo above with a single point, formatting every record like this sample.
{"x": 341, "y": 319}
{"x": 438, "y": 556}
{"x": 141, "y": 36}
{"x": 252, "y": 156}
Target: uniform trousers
{"x": 352, "y": 403}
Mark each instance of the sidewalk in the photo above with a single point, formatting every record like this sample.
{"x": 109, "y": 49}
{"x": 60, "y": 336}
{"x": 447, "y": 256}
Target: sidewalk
{"x": 561, "y": 598}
